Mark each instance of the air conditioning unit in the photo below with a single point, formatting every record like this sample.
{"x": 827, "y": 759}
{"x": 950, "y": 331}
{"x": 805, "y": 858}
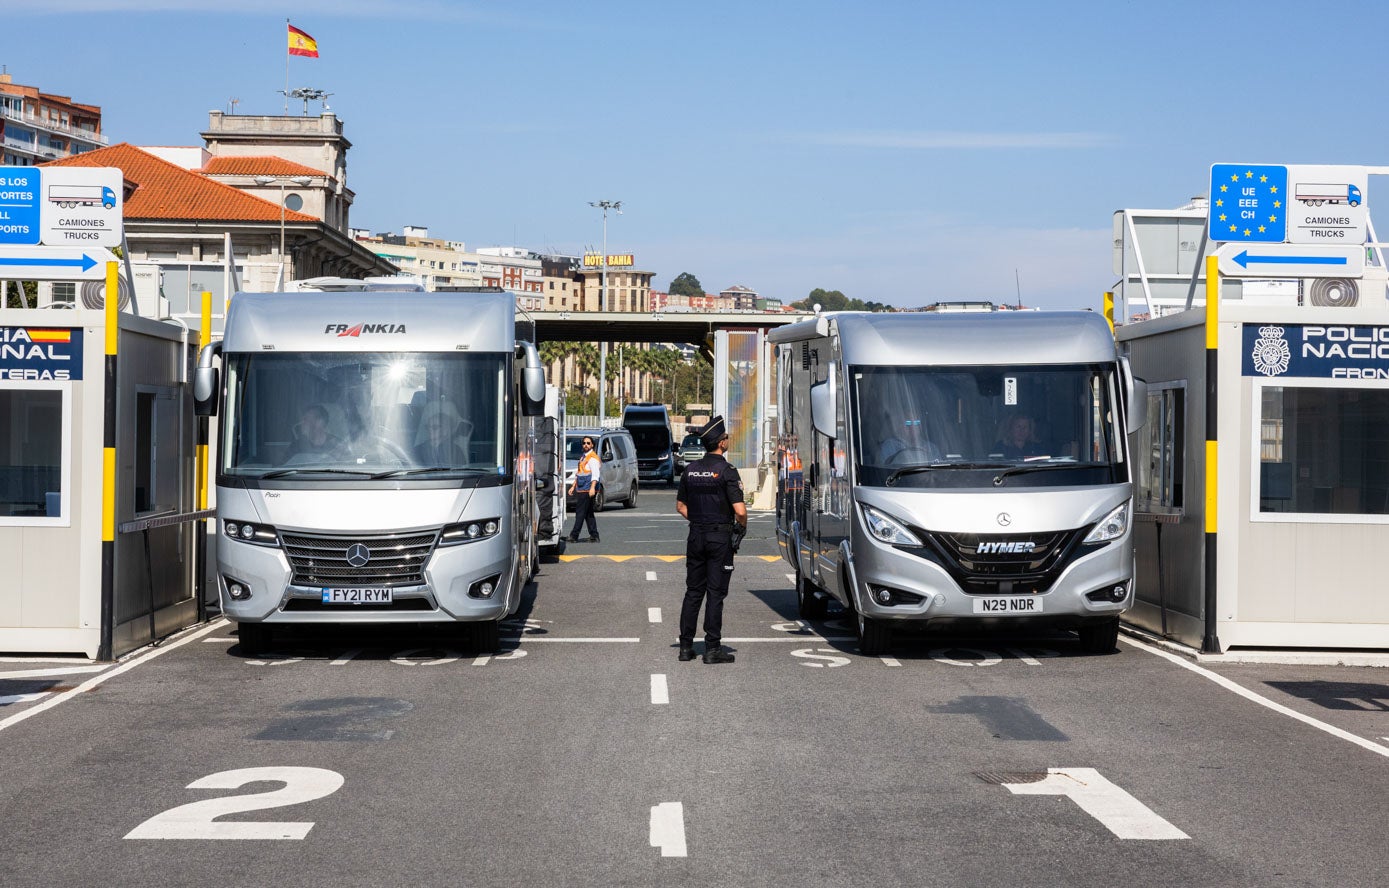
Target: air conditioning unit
{"x": 93, "y": 294}
{"x": 1331, "y": 292}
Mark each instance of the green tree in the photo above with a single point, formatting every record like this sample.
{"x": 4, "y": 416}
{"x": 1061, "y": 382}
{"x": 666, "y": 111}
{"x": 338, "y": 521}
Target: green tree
{"x": 686, "y": 284}
{"x": 833, "y": 300}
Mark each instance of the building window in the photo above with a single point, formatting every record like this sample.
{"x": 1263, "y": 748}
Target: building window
{"x": 1161, "y": 464}
{"x": 35, "y": 454}
{"x": 1323, "y": 451}
{"x": 158, "y": 469}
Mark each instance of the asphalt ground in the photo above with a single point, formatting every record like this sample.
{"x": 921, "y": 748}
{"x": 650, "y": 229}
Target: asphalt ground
{"x": 585, "y": 754}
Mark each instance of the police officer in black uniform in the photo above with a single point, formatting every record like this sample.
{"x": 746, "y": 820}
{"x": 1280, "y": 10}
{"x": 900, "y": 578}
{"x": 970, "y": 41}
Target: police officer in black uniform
{"x": 711, "y": 498}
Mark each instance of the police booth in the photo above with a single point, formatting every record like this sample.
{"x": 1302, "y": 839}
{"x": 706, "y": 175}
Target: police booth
{"x": 95, "y": 562}
{"x": 1299, "y": 507}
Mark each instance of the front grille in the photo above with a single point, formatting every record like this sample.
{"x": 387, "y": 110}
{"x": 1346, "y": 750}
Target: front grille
{"x": 1007, "y": 571}
{"x": 396, "y": 559}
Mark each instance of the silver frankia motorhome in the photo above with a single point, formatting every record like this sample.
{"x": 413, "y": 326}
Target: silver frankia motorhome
{"x": 957, "y": 469}
{"x": 373, "y": 459}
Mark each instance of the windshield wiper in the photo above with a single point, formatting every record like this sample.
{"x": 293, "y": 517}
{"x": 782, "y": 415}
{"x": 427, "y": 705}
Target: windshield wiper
{"x": 280, "y": 473}
{"x": 1061, "y": 463}
{"x": 396, "y": 473}
{"x": 927, "y": 467}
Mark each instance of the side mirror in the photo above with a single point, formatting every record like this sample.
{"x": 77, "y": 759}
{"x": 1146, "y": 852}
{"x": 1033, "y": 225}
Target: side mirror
{"x": 824, "y": 402}
{"x": 1135, "y": 398}
{"x": 205, "y": 383}
{"x": 532, "y": 391}
{"x": 607, "y": 457}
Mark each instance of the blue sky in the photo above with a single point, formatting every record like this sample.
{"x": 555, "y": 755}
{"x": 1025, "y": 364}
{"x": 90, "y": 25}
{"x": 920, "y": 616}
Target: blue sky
{"x": 899, "y": 152}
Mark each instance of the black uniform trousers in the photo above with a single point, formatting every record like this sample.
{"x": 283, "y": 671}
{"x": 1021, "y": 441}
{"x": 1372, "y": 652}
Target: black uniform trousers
{"x": 583, "y": 511}
{"x": 708, "y": 568}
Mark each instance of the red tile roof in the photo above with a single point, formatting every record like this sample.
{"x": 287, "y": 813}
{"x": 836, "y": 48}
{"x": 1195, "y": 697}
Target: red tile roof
{"x": 265, "y": 165}
{"x": 167, "y": 192}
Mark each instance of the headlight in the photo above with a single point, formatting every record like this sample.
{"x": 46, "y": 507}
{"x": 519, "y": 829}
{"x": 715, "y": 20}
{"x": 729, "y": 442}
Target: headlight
{"x": 1114, "y": 525}
{"x": 469, "y": 531}
{"x": 665, "y": 455}
{"x": 888, "y": 530}
{"x": 245, "y": 532}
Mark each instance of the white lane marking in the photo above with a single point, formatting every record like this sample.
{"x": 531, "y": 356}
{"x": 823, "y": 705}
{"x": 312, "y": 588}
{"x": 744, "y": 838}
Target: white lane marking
{"x": 1022, "y": 655}
{"x": 1247, "y": 694}
{"x": 42, "y": 673}
{"x": 225, "y": 639}
{"x": 110, "y": 673}
{"x": 653, "y": 615}
{"x": 660, "y": 691}
{"x": 197, "y": 820}
{"x": 810, "y": 636}
{"x": 668, "y": 829}
{"x": 21, "y": 698}
{"x": 826, "y": 654}
{"x": 347, "y": 657}
{"x": 889, "y": 661}
{"x": 651, "y": 576}
{"x": 791, "y": 577}
{"x": 529, "y": 639}
{"x": 986, "y": 658}
{"x": 482, "y": 660}
{"x": 1121, "y": 813}
{"x": 412, "y": 657}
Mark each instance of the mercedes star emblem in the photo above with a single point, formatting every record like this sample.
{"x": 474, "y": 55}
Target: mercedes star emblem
{"x": 1004, "y": 519}
{"x": 358, "y": 555}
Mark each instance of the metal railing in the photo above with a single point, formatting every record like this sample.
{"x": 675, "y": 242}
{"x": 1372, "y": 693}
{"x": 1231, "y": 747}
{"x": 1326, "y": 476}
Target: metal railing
{"x": 54, "y": 126}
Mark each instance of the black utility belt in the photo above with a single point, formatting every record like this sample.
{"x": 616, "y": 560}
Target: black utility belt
{"x": 724, "y": 527}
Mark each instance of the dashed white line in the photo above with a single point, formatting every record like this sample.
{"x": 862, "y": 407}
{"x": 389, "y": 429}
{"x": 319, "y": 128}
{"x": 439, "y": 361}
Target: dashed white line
{"x": 651, "y": 576}
{"x": 222, "y": 640}
{"x": 346, "y": 658}
{"x": 806, "y": 637}
{"x": 889, "y": 661}
{"x": 1262, "y": 701}
{"x": 528, "y": 639}
{"x": 668, "y": 829}
{"x": 653, "y": 615}
{"x": 660, "y": 691}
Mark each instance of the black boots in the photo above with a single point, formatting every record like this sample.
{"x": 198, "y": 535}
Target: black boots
{"x": 714, "y": 653}
{"x": 686, "y": 653}
{"x": 593, "y": 539}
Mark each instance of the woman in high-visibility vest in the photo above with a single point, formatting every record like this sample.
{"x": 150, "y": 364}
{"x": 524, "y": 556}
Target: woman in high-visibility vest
{"x": 587, "y": 476}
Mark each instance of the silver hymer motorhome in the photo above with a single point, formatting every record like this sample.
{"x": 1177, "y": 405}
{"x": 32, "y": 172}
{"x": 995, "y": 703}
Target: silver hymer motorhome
{"x": 374, "y": 459}
{"x": 966, "y": 469}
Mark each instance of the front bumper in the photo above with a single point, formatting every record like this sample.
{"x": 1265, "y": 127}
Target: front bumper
{"x": 443, "y": 598}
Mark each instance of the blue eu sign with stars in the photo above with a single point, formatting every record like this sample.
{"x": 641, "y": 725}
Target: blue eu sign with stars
{"x": 1248, "y": 203}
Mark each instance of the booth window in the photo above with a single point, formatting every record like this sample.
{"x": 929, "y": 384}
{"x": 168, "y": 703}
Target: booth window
{"x": 158, "y": 467}
{"x": 1160, "y": 474}
{"x": 32, "y": 455}
{"x": 1324, "y": 451}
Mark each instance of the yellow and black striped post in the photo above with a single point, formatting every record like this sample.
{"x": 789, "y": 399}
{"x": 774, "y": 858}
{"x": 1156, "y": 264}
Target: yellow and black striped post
{"x": 1109, "y": 311}
{"x": 204, "y": 338}
{"x": 108, "y": 467}
{"x": 1210, "y": 644}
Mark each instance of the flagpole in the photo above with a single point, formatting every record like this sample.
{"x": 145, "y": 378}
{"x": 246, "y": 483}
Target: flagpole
{"x": 286, "y": 67}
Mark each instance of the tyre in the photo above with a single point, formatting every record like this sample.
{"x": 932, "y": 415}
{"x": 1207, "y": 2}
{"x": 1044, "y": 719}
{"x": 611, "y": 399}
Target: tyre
{"x": 1099, "y": 638}
{"x": 486, "y": 636}
{"x": 253, "y": 637}
{"x": 874, "y": 636}
{"x": 600, "y": 499}
{"x": 631, "y": 501}
{"x": 812, "y": 606}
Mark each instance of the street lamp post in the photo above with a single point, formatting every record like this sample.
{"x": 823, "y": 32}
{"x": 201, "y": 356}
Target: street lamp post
{"x": 302, "y": 182}
{"x": 616, "y": 206}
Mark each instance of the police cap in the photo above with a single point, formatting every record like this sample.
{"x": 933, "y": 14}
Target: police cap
{"x": 713, "y": 432}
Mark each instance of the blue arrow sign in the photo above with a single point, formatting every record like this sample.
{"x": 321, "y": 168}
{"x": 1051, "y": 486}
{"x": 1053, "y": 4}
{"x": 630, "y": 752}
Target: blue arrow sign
{"x": 1245, "y": 260}
{"x": 85, "y": 263}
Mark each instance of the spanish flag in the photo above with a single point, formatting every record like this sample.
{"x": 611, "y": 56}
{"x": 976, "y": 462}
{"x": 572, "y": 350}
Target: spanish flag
{"x": 36, "y": 335}
{"x": 301, "y": 44}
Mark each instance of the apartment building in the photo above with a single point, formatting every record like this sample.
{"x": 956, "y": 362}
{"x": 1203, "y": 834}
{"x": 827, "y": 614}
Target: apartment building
{"x": 434, "y": 262}
{"x": 36, "y": 127}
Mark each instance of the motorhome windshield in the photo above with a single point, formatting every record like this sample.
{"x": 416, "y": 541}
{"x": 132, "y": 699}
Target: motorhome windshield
{"x": 953, "y": 427}
{"x": 329, "y": 416}
{"x": 650, "y": 440}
